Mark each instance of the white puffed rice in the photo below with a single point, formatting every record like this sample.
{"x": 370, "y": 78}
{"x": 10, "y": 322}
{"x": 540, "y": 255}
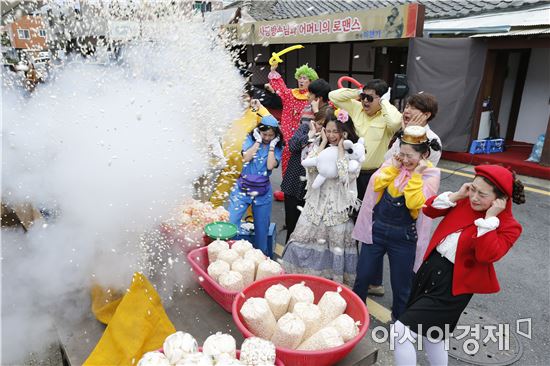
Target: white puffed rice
{"x": 257, "y": 352}
{"x": 218, "y": 344}
{"x": 217, "y": 268}
{"x": 246, "y": 268}
{"x": 228, "y": 255}
{"x": 346, "y": 326}
{"x": 278, "y": 298}
{"x": 311, "y": 315}
{"x": 196, "y": 359}
{"x": 289, "y": 331}
{"x": 214, "y": 248}
{"x": 242, "y": 246}
{"x": 255, "y": 255}
{"x": 300, "y": 293}
{"x": 268, "y": 268}
{"x": 332, "y": 304}
{"x": 325, "y": 338}
{"x": 154, "y": 358}
{"x": 258, "y": 317}
{"x": 178, "y": 345}
{"x": 226, "y": 360}
{"x": 231, "y": 281}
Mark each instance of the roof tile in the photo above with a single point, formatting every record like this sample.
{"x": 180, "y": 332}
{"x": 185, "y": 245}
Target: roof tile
{"x": 283, "y": 9}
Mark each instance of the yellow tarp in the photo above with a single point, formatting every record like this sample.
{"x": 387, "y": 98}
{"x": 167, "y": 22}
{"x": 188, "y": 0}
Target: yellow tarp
{"x": 139, "y": 324}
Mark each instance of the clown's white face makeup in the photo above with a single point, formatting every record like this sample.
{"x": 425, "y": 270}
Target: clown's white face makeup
{"x": 303, "y": 82}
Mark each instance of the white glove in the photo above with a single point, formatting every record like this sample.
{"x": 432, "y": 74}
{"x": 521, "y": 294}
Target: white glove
{"x": 387, "y": 95}
{"x": 257, "y": 135}
{"x": 274, "y": 142}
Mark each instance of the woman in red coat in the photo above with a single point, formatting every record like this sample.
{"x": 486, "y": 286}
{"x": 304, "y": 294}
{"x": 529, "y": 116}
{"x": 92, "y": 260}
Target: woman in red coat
{"x": 477, "y": 229}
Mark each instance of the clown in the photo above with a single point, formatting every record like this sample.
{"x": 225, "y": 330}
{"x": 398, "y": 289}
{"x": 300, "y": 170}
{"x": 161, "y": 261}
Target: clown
{"x": 294, "y": 101}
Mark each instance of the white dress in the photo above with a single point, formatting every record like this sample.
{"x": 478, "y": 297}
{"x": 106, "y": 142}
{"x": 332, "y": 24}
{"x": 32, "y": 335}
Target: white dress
{"x": 321, "y": 243}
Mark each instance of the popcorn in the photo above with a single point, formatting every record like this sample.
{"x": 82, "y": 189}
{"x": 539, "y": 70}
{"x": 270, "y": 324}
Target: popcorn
{"x": 196, "y": 359}
{"x": 255, "y": 255}
{"x": 300, "y": 293}
{"x": 257, "y": 352}
{"x": 289, "y": 331}
{"x": 258, "y": 317}
{"x": 178, "y": 345}
{"x": 242, "y": 246}
{"x": 246, "y": 268}
{"x": 346, "y": 326}
{"x": 278, "y": 298}
{"x": 217, "y": 268}
{"x": 268, "y": 268}
{"x": 218, "y": 344}
{"x": 215, "y": 248}
{"x": 332, "y": 304}
{"x": 311, "y": 315}
{"x": 231, "y": 281}
{"x": 228, "y": 255}
{"x": 323, "y": 339}
{"x": 154, "y": 358}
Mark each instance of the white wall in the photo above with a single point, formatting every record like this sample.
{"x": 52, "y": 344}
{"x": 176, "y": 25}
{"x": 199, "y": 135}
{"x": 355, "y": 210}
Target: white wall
{"x": 535, "y": 102}
{"x": 508, "y": 93}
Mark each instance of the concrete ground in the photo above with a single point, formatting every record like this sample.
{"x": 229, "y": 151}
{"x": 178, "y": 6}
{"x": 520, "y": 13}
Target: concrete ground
{"x": 523, "y": 275}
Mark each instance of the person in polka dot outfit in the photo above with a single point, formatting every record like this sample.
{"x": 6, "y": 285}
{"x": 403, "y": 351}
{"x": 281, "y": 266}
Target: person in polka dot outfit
{"x": 294, "y": 101}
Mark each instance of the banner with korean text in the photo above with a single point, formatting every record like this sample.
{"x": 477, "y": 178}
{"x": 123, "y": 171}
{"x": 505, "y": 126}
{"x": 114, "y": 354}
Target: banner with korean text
{"x": 405, "y": 21}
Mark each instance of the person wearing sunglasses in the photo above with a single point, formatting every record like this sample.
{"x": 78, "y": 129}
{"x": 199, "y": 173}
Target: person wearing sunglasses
{"x": 376, "y": 121}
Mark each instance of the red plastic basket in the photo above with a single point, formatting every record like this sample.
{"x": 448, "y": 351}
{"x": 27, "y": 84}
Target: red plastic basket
{"x": 277, "y": 361}
{"x": 198, "y": 259}
{"x": 356, "y": 309}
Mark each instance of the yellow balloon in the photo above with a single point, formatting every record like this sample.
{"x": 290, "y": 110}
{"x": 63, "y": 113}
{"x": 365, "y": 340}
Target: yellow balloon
{"x": 276, "y": 56}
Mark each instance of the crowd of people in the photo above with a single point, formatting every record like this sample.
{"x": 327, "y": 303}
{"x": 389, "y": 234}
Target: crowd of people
{"x": 341, "y": 226}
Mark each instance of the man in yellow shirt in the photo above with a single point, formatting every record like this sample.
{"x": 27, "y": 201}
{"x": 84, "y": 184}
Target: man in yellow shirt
{"x": 375, "y": 119}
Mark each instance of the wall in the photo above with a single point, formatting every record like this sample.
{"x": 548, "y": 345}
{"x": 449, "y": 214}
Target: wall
{"x": 32, "y": 24}
{"x": 535, "y": 106}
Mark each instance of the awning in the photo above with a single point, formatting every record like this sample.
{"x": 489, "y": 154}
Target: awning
{"x": 492, "y": 23}
{"x": 516, "y": 32}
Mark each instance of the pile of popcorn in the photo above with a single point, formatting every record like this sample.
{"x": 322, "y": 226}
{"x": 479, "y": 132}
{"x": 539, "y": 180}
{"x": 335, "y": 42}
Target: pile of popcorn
{"x": 237, "y": 266}
{"x": 186, "y": 228}
{"x": 181, "y": 349}
{"x": 290, "y": 319}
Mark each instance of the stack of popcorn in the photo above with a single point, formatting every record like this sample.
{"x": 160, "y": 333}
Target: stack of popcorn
{"x": 186, "y": 228}
{"x": 181, "y": 349}
{"x": 290, "y": 319}
{"x": 237, "y": 267}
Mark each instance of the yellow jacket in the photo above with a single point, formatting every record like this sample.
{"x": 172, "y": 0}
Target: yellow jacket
{"x": 377, "y": 130}
{"x": 414, "y": 196}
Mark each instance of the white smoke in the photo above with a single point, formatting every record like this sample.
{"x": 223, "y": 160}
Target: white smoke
{"x": 107, "y": 151}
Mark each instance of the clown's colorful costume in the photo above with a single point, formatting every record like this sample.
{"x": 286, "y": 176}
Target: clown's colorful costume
{"x": 294, "y": 101}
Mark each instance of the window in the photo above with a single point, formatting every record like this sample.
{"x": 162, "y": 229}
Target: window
{"x": 23, "y": 34}
{"x": 42, "y": 33}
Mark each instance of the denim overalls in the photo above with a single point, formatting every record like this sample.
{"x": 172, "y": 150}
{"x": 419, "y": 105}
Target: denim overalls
{"x": 393, "y": 232}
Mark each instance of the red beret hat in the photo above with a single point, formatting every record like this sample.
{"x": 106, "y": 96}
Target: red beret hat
{"x": 499, "y": 176}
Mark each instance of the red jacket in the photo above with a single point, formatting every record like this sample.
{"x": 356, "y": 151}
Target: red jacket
{"x": 473, "y": 269}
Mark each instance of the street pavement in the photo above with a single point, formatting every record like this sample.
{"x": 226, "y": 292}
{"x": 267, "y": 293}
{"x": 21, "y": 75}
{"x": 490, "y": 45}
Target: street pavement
{"x": 523, "y": 274}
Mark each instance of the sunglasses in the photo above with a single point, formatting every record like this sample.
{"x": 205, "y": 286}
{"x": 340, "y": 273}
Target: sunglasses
{"x": 368, "y": 97}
